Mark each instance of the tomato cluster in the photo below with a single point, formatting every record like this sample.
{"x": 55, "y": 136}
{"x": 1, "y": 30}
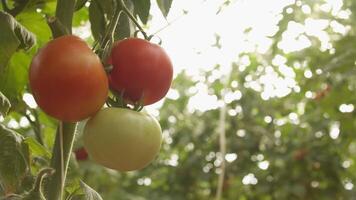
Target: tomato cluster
{"x": 69, "y": 83}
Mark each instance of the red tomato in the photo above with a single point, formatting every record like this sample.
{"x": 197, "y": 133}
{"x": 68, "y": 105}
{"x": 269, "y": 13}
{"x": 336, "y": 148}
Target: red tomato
{"x": 81, "y": 154}
{"x": 140, "y": 70}
{"x": 68, "y": 80}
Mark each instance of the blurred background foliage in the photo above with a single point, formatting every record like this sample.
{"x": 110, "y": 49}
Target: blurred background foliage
{"x": 290, "y": 114}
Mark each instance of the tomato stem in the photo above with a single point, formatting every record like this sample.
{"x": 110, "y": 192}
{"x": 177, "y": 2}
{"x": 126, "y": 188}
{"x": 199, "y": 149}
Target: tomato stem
{"x": 56, "y": 27}
{"x": 106, "y": 42}
{"x": 60, "y": 160}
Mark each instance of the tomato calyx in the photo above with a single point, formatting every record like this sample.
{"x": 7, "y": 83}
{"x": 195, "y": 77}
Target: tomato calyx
{"x": 147, "y": 37}
{"x": 118, "y": 101}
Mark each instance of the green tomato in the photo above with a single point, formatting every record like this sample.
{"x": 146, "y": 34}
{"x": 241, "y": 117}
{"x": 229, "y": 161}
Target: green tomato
{"x": 122, "y": 139}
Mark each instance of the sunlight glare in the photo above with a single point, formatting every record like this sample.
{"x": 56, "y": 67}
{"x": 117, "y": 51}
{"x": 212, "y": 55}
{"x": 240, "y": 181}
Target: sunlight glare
{"x": 29, "y": 100}
{"x": 249, "y": 179}
{"x": 334, "y": 130}
{"x": 230, "y": 157}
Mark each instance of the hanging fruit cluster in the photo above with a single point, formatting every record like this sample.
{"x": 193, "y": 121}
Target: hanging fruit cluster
{"x": 69, "y": 83}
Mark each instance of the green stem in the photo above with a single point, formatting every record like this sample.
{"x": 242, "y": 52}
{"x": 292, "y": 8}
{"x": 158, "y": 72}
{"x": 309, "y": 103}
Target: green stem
{"x": 36, "y": 128}
{"x": 129, "y": 14}
{"x": 56, "y": 27}
{"x": 56, "y": 183}
{"x": 108, "y": 38}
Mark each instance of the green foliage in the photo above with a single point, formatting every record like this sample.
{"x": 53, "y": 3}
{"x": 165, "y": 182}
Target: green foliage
{"x": 142, "y": 9}
{"x": 4, "y": 105}
{"x": 14, "y": 159}
{"x": 97, "y": 20}
{"x": 13, "y": 37}
{"x": 164, "y": 6}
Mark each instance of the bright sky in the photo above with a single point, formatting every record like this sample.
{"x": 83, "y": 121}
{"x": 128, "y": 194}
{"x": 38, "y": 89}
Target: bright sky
{"x": 190, "y": 39}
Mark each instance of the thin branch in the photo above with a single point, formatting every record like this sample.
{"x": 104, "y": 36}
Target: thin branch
{"x": 36, "y": 129}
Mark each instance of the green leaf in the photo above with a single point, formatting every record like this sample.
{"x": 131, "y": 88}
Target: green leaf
{"x": 15, "y": 77}
{"x": 123, "y": 29}
{"x": 13, "y": 36}
{"x": 37, "y": 149}
{"x": 4, "y": 104}
{"x": 90, "y": 193}
{"x": 40, "y": 28}
{"x": 97, "y": 20}
{"x": 164, "y": 6}
{"x": 14, "y": 159}
{"x": 107, "y": 7}
{"x": 142, "y": 9}
{"x": 36, "y": 192}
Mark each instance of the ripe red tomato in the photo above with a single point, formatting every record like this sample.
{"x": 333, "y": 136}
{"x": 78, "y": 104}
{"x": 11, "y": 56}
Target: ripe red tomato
{"x": 140, "y": 69}
{"x": 81, "y": 154}
{"x": 68, "y": 80}
{"x": 122, "y": 139}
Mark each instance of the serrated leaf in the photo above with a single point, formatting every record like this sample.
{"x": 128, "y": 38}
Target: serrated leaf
{"x": 142, "y": 9}
{"x": 14, "y": 158}
{"x": 13, "y": 36}
{"x": 4, "y": 104}
{"x": 164, "y": 6}
{"x": 90, "y": 193}
{"x": 37, "y": 149}
{"x": 97, "y": 20}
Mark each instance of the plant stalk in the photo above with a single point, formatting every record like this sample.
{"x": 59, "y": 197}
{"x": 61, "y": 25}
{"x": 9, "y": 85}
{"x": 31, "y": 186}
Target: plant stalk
{"x": 60, "y": 160}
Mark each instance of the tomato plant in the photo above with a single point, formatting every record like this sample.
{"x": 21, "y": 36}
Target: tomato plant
{"x": 141, "y": 69}
{"x": 122, "y": 139}
{"x": 69, "y": 83}
{"x": 68, "y": 80}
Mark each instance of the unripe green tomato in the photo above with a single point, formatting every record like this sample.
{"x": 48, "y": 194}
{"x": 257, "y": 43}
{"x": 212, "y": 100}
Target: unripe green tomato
{"x": 122, "y": 139}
